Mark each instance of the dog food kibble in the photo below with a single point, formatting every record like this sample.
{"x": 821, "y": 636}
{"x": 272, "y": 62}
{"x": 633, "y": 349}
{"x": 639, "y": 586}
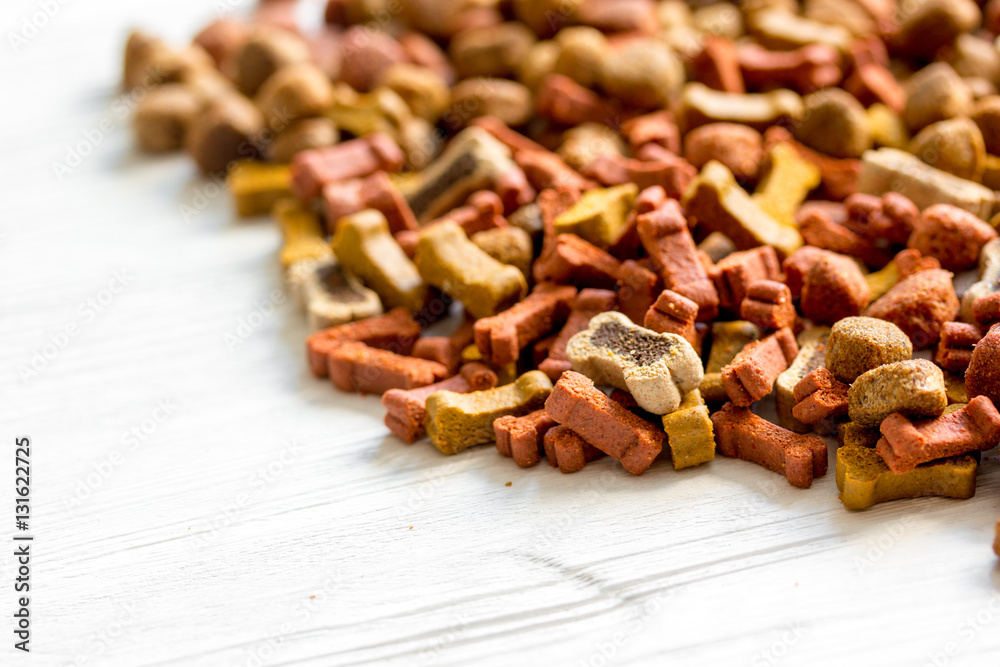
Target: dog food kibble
{"x": 914, "y": 387}
{"x": 656, "y": 368}
{"x": 521, "y": 438}
{"x": 577, "y": 404}
{"x": 741, "y": 434}
{"x": 906, "y": 444}
{"x": 456, "y": 421}
{"x": 859, "y": 344}
{"x": 864, "y": 479}
{"x": 593, "y": 191}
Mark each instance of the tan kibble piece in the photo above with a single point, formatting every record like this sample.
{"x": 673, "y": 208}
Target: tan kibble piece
{"x": 545, "y": 17}
{"x": 850, "y": 434}
{"x": 783, "y": 30}
{"x": 140, "y": 50}
{"x": 493, "y": 51}
{"x": 890, "y": 170}
{"x": 834, "y": 123}
{"x": 329, "y": 295}
{"x": 649, "y": 86}
{"x": 365, "y": 247}
{"x": 296, "y": 91}
{"x": 656, "y": 368}
{"x": 225, "y": 131}
{"x": 883, "y": 280}
{"x": 424, "y": 90}
{"x": 719, "y": 204}
{"x": 456, "y": 421}
{"x": 509, "y": 101}
{"x": 164, "y": 115}
{"x": 887, "y": 127}
{"x": 859, "y": 344}
{"x": 539, "y": 63}
{"x": 585, "y": 143}
{"x": 302, "y": 135}
{"x": 600, "y": 215}
{"x": 971, "y": 56}
{"x": 864, "y": 479}
{"x": 581, "y": 53}
{"x": 728, "y": 338}
{"x": 989, "y": 279}
{"x": 787, "y": 181}
{"x": 510, "y": 245}
{"x": 690, "y": 435}
{"x": 924, "y": 27}
{"x": 739, "y": 147}
{"x": 812, "y": 352}
{"x": 266, "y": 50}
{"x": 986, "y": 115}
{"x": 914, "y": 388}
{"x": 701, "y": 105}
{"x": 955, "y": 146}
{"x": 222, "y": 38}
{"x": 301, "y": 232}
{"x": 447, "y": 259}
{"x": 257, "y": 186}
{"x": 935, "y": 93}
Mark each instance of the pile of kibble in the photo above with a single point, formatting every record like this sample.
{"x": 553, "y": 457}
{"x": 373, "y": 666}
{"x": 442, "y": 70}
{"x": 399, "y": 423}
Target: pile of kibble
{"x": 694, "y": 205}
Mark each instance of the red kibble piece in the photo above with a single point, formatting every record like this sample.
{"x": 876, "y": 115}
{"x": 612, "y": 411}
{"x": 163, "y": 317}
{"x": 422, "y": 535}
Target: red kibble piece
{"x": 565, "y": 449}
{"x": 909, "y": 262}
{"x": 717, "y": 65}
{"x": 545, "y": 169}
{"x": 521, "y": 438}
{"x": 805, "y": 69}
{"x": 873, "y": 83}
{"x": 395, "y": 331}
{"x": 983, "y": 376}
{"x": 576, "y": 403}
{"x": 446, "y": 350}
{"x": 955, "y": 348}
{"x": 672, "y": 172}
{"x": 665, "y": 236}
{"x": 365, "y": 55}
{"x": 342, "y": 198}
{"x": 405, "y": 413}
{"x": 905, "y": 445}
{"x": 675, "y": 313}
{"x": 574, "y": 261}
{"x": 831, "y": 286}
{"x": 742, "y": 434}
{"x": 819, "y": 395}
{"x": 920, "y": 305}
{"x": 736, "y": 272}
{"x": 751, "y": 375}
{"x": 564, "y": 101}
{"x": 839, "y": 177}
{"x": 768, "y": 304}
{"x": 368, "y": 370}
{"x": 501, "y": 337}
{"x": 890, "y": 217}
{"x": 657, "y": 128}
{"x": 952, "y": 235}
{"x": 588, "y": 303}
{"x": 986, "y": 310}
{"x": 638, "y": 289}
{"x": 315, "y": 168}
{"x": 820, "y": 231}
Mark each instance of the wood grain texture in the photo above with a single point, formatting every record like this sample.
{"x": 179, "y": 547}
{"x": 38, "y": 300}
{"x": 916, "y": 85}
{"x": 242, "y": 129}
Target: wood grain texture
{"x": 205, "y": 541}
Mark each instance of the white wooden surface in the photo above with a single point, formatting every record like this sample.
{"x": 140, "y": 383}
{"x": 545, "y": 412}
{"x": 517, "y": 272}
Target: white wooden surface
{"x": 204, "y": 542}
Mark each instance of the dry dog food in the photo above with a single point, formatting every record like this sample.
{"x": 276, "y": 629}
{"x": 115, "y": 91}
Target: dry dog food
{"x": 690, "y": 435}
{"x": 914, "y": 387}
{"x": 521, "y": 438}
{"x": 405, "y": 409}
{"x": 566, "y": 450}
{"x": 859, "y": 344}
{"x": 750, "y": 376}
{"x": 812, "y": 351}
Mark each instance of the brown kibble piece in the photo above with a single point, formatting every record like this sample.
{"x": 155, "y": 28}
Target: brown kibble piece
{"x": 225, "y": 131}
{"x": 741, "y": 434}
{"x": 572, "y": 260}
{"x": 405, "y": 411}
{"x": 834, "y": 123}
{"x": 576, "y": 403}
{"x": 983, "y": 376}
{"x": 673, "y": 313}
{"x": 296, "y": 91}
{"x": 395, "y": 331}
{"x": 265, "y": 51}
{"x": 751, "y": 375}
{"x": 653, "y": 128}
{"x": 768, "y": 304}
{"x": 914, "y": 387}
{"x": 736, "y": 272}
{"x": 302, "y": 135}
{"x": 832, "y": 287}
{"x": 638, "y": 289}
{"x": 958, "y": 340}
{"x": 501, "y": 337}
{"x": 905, "y": 444}
{"x": 858, "y": 344}
{"x": 819, "y": 396}
{"x": 163, "y": 117}
{"x": 935, "y": 93}
{"x": 953, "y": 236}
{"x": 354, "y": 366}
{"x": 587, "y": 304}
{"x": 738, "y": 147}
{"x": 919, "y": 305}
{"x": 565, "y": 449}
{"x": 521, "y": 438}
{"x": 986, "y": 311}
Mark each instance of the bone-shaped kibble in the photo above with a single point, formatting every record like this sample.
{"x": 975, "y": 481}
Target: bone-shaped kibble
{"x": 906, "y": 444}
{"x": 914, "y": 387}
{"x": 447, "y": 259}
{"x": 812, "y": 350}
{"x": 658, "y": 168}
{"x": 958, "y": 340}
{"x": 657, "y": 369}
{"x": 665, "y": 236}
{"x": 572, "y": 260}
{"x": 777, "y": 29}
{"x": 342, "y": 198}
{"x": 717, "y": 65}
{"x": 405, "y": 409}
{"x": 501, "y": 337}
{"x": 728, "y": 338}
{"x": 736, "y": 272}
{"x": 768, "y": 304}
{"x": 806, "y": 69}
{"x": 673, "y": 313}
{"x": 632, "y": 441}
{"x": 365, "y": 247}
{"x": 600, "y": 215}
{"x": 716, "y": 201}
{"x": 690, "y": 435}
{"x": 989, "y": 279}
{"x": 354, "y": 366}
{"x": 787, "y": 181}
{"x": 700, "y": 105}
{"x": 329, "y": 295}
{"x": 456, "y": 422}
{"x": 395, "y": 331}
{"x": 257, "y": 186}
{"x": 888, "y": 169}
{"x": 820, "y": 230}
{"x": 301, "y": 233}
{"x": 313, "y": 169}
{"x": 521, "y": 437}
{"x": 587, "y": 304}
{"x": 566, "y": 450}
{"x": 819, "y": 396}
{"x": 864, "y": 479}
{"x": 473, "y": 160}
{"x": 751, "y": 375}
{"x": 742, "y": 434}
